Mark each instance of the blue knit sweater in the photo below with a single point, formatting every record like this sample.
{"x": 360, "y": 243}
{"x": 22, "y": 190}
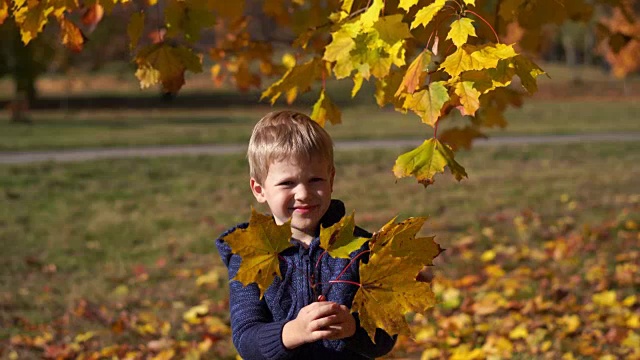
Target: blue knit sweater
{"x": 257, "y": 324}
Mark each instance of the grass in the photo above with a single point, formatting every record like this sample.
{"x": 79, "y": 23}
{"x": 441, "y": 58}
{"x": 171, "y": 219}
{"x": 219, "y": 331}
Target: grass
{"x": 52, "y": 130}
{"x": 85, "y": 230}
{"x": 560, "y": 107}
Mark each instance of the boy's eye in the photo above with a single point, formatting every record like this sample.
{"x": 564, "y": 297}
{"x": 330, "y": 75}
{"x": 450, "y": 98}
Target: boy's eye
{"x": 285, "y": 183}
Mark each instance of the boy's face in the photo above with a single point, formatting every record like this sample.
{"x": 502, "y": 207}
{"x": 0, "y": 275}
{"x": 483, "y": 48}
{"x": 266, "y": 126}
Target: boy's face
{"x": 297, "y": 190}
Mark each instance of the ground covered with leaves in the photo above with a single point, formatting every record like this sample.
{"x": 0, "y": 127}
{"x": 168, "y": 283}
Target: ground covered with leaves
{"x": 573, "y": 293}
{"x": 114, "y": 259}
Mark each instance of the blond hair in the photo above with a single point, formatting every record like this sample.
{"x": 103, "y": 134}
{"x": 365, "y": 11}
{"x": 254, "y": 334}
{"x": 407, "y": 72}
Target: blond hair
{"x": 281, "y": 135}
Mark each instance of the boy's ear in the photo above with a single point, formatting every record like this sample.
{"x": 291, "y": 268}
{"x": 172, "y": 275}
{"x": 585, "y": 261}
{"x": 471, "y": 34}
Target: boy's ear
{"x": 333, "y": 175}
{"x": 258, "y": 191}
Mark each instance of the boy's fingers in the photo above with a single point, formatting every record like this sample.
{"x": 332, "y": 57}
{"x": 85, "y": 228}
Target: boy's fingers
{"x": 324, "y": 334}
{"x": 324, "y": 309}
{"x": 324, "y": 322}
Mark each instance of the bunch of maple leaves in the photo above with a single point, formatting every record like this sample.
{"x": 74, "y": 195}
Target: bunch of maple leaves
{"x": 388, "y": 289}
{"x": 454, "y": 66}
{"x": 427, "y": 57}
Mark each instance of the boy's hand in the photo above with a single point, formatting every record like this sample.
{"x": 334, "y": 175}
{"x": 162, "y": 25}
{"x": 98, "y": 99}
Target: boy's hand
{"x": 317, "y": 321}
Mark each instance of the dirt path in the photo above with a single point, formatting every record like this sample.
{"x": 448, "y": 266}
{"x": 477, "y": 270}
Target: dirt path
{"x": 22, "y": 157}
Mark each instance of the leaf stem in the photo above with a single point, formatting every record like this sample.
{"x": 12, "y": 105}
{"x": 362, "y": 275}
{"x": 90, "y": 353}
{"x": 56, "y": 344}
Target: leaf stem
{"x": 459, "y": 5}
{"x": 321, "y": 255}
{"x": 345, "y": 282}
{"x": 486, "y": 22}
{"x": 351, "y": 263}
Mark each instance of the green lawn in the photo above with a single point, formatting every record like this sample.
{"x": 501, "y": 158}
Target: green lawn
{"x": 55, "y": 130}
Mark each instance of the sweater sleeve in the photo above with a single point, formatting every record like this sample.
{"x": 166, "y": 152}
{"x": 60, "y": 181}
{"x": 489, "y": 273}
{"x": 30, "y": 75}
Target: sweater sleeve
{"x": 360, "y": 342}
{"x": 255, "y": 334}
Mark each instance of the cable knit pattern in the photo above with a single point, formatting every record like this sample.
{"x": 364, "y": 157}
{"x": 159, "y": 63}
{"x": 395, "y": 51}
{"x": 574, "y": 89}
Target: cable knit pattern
{"x": 257, "y": 324}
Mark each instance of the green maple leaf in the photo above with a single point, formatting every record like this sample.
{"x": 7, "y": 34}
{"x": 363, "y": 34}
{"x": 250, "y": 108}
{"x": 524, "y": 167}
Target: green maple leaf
{"x": 259, "y": 246}
{"x": 338, "y": 240}
{"x": 188, "y": 17}
{"x": 392, "y": 29}
{"x": 527, "y": 71}
{"x": 425, "y": 161}
{"x": 460, "y": 31}
{"x": 135, "y": 28}
{"x": 170, "y": 61}
{"x": 459, "y": 138}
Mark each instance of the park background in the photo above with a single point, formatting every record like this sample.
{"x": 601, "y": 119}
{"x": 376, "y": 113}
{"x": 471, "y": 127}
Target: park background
{"x": 114, "y": 257}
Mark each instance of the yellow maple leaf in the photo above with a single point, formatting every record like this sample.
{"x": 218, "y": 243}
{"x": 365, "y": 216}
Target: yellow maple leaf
{"x": 300, "y": 76}
{"x": 372, "y": 14}
{"x": 4, "y": 10}
{"x": 571, "y": 323}
{"x": 519, "y": 332}
{"x": 425, "y": 15}
{"x": 469, "y": 97}
{"x": 426, "y": 160}
{"x": 147, "y": 76}
{"x": 31, "y": 19}
{"x": 259, "y": 246}
{"x": 428, "y": 103}
{"x": 471, "y": 57}
{"x": 339, "y": 51}
{"x": 401, "y": 237}
{"x": 460, "y": 31}
{"x": 407, "y": 4}
{"x": 338, "y": 240}
{"x": 385, "y": 89}
{"x": 386, "y": 294}
{"x": 324, "y": 109}
{"x": 388, "y": 288}
{"x": 605, "y": 298}
{"x": 415, "y": 73}
{"x": 71, "y": 35}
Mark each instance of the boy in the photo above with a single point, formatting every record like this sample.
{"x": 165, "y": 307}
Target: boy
{"x": 291, "y": 169}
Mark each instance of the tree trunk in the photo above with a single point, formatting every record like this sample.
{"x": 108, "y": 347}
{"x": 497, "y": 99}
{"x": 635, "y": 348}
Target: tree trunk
{"x": 24, "y": 78}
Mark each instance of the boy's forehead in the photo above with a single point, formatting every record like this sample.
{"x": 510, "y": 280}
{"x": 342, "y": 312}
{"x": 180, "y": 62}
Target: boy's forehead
{"x": 304, "y": 163}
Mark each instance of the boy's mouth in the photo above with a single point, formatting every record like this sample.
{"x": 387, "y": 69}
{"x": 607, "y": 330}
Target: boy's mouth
{"x": 304, "y": 209}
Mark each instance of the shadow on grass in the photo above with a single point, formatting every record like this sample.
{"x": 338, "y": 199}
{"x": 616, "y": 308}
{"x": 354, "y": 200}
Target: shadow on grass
{"x": 187, "y": 100}
{"x": 62, "y": 123}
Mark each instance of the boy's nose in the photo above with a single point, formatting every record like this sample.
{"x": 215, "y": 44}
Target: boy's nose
{"x": 302, "y": 192}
